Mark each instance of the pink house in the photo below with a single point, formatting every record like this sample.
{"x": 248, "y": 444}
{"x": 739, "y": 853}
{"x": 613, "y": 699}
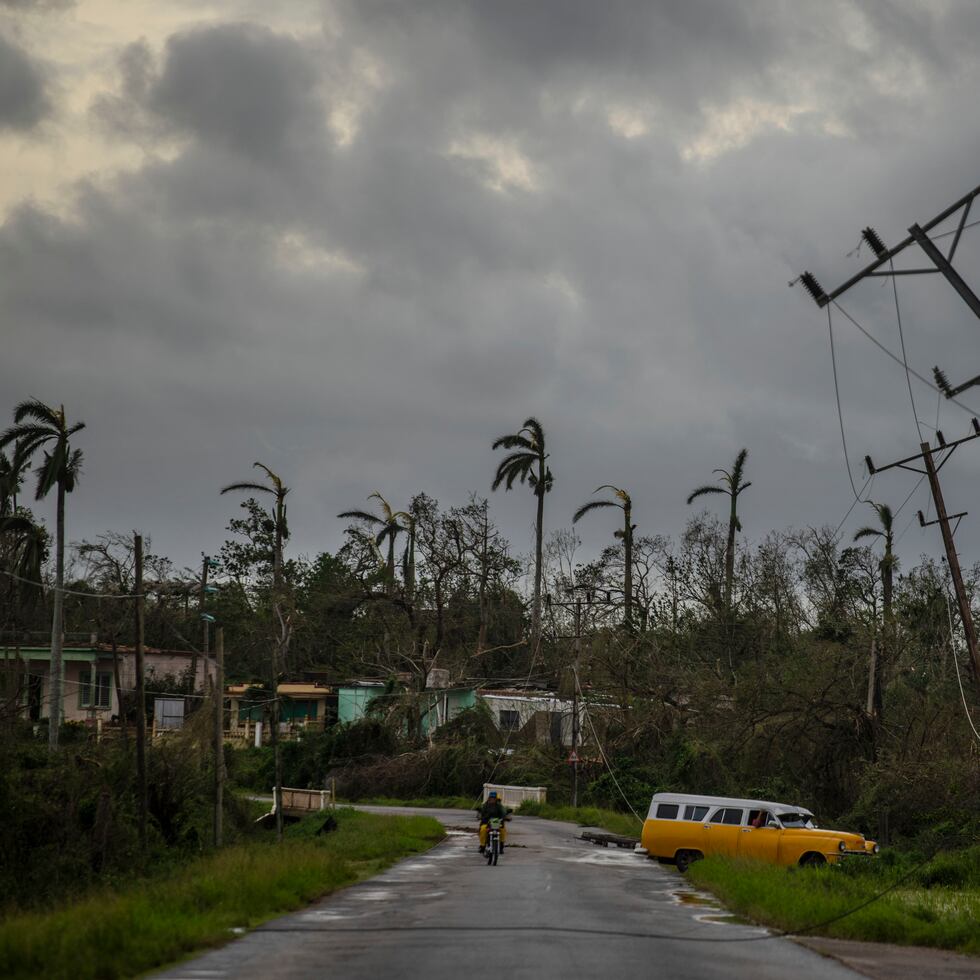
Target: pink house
{"x": 89, "y": 679}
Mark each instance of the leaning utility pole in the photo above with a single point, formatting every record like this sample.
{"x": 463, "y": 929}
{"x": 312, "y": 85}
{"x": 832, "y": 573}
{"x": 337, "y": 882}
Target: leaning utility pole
{"x": 931, "y": 470}
{"x": 140, "y": 694}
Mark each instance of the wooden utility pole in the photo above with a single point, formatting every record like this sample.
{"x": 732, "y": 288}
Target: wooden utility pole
{"x": 962, "y": 599}
{"x": 926, "y": 454}
{"x": 205, "y": 624}
{"x": 219, "y": 732}
{"x": 140, "y": 694}
{"x": 575, "y": 725}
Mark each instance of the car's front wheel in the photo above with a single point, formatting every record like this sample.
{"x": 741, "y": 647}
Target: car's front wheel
{"x": 812, "y": 860}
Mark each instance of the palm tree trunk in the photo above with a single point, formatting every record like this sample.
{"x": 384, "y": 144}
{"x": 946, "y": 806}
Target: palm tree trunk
{"x": 410, "y": 572}
{"x": 873, "y": 704}
{"x": 628, "y": 573}
{"x": 887, "y": 633}
{"x": 57, "y": 626}
{"x": 730, "y": 557}
{"x": 390, "y": 570}
{"x": 538, "y": 560}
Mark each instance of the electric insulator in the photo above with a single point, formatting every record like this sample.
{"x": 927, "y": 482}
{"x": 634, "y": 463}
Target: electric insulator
{"x": 874, "y": 241}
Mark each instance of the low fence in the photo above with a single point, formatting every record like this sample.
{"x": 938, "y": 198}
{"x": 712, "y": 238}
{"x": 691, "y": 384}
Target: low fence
{"x": 514, "y": 796}
{"x": 299, "y": 802}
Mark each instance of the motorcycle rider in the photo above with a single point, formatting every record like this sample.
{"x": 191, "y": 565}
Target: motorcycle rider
{"x": 492, "y": 809}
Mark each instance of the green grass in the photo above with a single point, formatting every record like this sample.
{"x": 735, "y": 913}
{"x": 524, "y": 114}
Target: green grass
{"x": 431, "y": 802}
{"x": 624, "y": 824}
{"x": 938, "y": 906}
{"x": 147, "y": 924}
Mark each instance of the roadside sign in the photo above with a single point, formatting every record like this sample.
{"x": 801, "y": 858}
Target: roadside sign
{"x": 573, "y": 756}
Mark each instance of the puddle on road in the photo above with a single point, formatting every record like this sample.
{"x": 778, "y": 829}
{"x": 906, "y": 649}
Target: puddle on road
{"x": 728, "y": 919}
{"x": 376, "y": 895}
{"x": 693, "y": 898}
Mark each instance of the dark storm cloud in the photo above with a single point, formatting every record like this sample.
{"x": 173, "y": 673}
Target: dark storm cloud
{"x": 240, "y": 85}
{"x": 23, "y": 102}
{"x": 370, "y": 316}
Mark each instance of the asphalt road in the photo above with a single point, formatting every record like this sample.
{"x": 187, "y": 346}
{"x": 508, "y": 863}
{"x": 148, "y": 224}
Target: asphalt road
{"x": 553, "y": 907}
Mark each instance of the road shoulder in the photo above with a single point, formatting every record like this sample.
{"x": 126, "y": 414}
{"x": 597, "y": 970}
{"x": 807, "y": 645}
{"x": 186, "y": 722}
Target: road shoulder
{"x": 887, "y": 961}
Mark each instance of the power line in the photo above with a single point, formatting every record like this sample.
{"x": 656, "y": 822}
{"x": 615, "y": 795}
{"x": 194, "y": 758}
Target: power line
{"x": 840, "y": 414}
{"x": 959, "y": 681}
{"x": 86, "y": 595}
{"x": 905, "y": 360}
{"x": 602, "y": 752}
{"x": 510, "y": 731}
{"x": 915, "y": 374}
{"x": 857, "y": 500}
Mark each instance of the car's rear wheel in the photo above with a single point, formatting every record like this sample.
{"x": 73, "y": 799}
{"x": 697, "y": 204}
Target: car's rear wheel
{"x": 684, "y": 859}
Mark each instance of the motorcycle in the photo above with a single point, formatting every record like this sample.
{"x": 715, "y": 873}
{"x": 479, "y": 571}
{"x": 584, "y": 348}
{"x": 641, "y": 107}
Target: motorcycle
{"x": 493, "y": 846}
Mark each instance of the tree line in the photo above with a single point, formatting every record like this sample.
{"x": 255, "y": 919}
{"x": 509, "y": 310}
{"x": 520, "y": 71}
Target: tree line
{"x": 800, "y": 660}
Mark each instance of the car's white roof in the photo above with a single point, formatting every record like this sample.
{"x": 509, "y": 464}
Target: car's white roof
{"x": 728, "y": 801}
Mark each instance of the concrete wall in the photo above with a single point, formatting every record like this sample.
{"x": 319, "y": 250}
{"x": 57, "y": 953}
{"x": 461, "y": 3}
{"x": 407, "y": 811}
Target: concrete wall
{"x": 352, "y": 702}
{"x": 537, "y": 712}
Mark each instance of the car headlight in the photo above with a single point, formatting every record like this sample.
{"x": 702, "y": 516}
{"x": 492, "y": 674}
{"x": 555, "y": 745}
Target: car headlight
{"x": 875, "y": 849}
{"x": 842, "y": 846}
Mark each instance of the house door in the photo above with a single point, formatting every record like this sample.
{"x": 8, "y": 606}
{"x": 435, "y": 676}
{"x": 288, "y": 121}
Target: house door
{"x": 35, "y": 685}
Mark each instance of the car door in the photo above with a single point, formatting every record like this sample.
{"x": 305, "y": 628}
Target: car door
{"x": 721, "y": 832}
{"x": 760, "y": 843}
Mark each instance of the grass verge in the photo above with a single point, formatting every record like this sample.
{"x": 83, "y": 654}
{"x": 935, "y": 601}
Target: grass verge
{"x": 147, "y": 924}
{"x": 431, "y": 802}
{"x": 624, "y": 824}
{"x": 935, "y": 907}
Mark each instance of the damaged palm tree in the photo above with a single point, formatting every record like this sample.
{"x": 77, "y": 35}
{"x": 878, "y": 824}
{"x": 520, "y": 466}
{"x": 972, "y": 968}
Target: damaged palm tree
{"x": 528, "y": 464}
{"x": 625, "y": 504}
{"x": 277, "y": 489}
{"x": 37, "y": 426}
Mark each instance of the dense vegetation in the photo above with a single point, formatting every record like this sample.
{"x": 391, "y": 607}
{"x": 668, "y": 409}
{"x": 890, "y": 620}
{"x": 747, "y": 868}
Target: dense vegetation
{"x": 803, "y": 665}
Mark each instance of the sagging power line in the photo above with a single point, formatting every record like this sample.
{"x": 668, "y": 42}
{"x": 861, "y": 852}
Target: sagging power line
{"x": 883, "y": 266}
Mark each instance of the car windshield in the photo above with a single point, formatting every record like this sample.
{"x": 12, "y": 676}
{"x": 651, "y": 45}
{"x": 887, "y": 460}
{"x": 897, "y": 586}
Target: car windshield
{"x": 796, "y": 820}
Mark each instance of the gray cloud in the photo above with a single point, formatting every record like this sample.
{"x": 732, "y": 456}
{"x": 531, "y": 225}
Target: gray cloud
{"x": 370, "y": 316}
{"x": 23, "y": 102}
{"x": 241, "y": 86}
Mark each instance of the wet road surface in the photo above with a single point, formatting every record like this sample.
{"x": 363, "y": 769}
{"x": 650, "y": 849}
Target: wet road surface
{"x": 553, "y": 907}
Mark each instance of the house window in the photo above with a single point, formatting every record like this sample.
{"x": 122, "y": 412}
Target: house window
{"x": 510, "y": 721}
{"x": 102, "y": 692}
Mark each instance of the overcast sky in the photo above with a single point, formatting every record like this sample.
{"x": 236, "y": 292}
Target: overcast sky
{"x": 359, "y": 240}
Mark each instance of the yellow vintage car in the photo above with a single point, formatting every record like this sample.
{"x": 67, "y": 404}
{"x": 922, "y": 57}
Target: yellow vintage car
{"x": 681, "y": 828}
